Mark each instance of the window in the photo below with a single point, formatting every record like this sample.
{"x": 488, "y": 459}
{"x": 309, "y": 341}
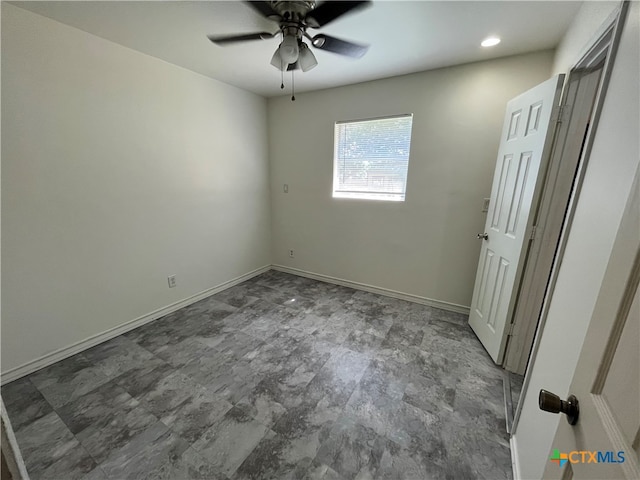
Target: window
{"x": 371, "y": 158}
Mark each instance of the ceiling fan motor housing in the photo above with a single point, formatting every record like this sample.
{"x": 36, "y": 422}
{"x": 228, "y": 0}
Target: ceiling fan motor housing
{"x": 292, "y": 11}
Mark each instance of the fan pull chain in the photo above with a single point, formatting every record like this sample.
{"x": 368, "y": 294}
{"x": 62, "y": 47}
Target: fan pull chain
{"x": 293, "y": 88}
{"x": 281, "y": 76}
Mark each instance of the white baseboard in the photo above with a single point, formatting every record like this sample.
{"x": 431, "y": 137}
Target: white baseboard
{"x": 62, "y": 353}
{"x": 452, "y": 307}
{"x": 515, "y": 465}
{"x": 65, "y": 352}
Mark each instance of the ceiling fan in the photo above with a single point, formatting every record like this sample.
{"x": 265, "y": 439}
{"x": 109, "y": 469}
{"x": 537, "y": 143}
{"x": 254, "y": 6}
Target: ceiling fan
{"x": 294, "y": 18}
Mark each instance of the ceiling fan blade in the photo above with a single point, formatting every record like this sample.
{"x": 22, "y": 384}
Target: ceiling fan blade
{"x": 329, "y": 11}
{"x": 264, "y": 9}
{"x": 342, "y": 47}
{"x": 226, "y": 39}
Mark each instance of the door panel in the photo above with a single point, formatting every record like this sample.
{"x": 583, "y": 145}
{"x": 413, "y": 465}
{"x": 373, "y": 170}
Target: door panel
{"x": 622, "y": 381}
{"x": 505, "y": 166}
{"x": 518, "y": 198}
{"x": 533, "y": 122}
{"x": 513, "y": 124}
{"x": 521, "y": 164}
{"x": 488, "y": 265}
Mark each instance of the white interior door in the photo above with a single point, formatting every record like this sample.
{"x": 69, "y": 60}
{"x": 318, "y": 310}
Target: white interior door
{"x": 606, "y": 381}
{"x": 524, "y": 150}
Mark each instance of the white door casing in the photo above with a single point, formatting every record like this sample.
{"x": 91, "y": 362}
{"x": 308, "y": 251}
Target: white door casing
{"x": 576, "y": 113}
{"x": 525, "y": 143}
{"x": 606, "y": 381}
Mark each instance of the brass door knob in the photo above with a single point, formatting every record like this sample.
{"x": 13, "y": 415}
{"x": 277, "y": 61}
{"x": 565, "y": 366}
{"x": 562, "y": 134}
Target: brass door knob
{"x": 484, "y": 236}
{"x": 550, "y": 402}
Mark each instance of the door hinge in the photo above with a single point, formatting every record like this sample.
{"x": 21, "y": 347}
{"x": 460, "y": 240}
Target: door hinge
{"x": 533, "y": 232}
{"x": 563, "y": 113}
{"x": 511, "y": 328}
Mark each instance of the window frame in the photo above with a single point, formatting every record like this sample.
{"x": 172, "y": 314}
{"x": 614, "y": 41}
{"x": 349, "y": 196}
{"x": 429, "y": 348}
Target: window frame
{"x": 371, "y": 195}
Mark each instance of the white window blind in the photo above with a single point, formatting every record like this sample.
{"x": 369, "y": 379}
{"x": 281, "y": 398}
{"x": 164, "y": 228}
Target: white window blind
{"x": 371, "y": 158}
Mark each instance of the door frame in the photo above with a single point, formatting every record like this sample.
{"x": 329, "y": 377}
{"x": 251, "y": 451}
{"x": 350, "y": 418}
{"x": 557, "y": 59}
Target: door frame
{"x": 10, "y": 450}
{"x": 605, "y": 43}
{"x": 574, "y": 117}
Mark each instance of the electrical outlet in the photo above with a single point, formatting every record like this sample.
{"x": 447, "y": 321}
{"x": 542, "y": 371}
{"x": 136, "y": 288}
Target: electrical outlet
{"x": 485, "y": 205}
{"x": 171, "y": 280}
{"x": 285, "y": 189}
{"x": 291, "y": 254}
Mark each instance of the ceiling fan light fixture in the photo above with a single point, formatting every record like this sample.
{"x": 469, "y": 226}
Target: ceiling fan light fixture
{"x": 289, "y": 50}
{"x": 277, "y": 61}
{"x": 306, "y": 59}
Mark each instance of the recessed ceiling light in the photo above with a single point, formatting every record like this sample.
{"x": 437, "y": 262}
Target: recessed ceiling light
{"x": 490, "y": 42}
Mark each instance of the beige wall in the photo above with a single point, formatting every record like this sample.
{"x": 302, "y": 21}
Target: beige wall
{"x": 614, "y": 159}
{"x": 425, "y": 246}
{"x": 118, "y": 169}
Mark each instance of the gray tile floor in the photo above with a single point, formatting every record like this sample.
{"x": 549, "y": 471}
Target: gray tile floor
{"x": 279, "y": 377}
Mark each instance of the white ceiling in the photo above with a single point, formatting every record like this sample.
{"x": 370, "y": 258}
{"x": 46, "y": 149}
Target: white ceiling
{"x": 405, "y": 36}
